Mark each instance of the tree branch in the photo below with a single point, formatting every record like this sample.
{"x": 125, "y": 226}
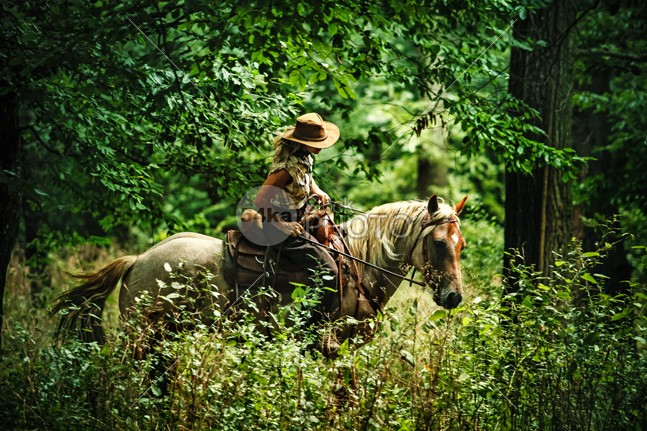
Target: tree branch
{"x": 613, "y": 54}
{"x": 34, "y": 132}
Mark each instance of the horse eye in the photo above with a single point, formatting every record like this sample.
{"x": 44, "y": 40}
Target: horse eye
{"x": 440, "y": 243}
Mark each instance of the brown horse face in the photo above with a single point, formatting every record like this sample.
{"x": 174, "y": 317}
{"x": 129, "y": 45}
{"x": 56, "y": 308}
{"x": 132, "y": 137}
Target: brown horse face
{"x": 443, "y": 250}
{"x": 444, "y": 247}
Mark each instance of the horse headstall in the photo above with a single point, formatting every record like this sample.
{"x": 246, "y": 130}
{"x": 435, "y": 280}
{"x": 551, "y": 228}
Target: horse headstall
{"x": 445, "y": 220}
{"x": 427, "y": 269}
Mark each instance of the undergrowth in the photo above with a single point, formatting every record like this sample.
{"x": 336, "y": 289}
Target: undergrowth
{"x": 555, "y": 354}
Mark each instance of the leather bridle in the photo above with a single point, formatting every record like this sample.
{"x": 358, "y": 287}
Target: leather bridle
{"x": 427, "y": 267}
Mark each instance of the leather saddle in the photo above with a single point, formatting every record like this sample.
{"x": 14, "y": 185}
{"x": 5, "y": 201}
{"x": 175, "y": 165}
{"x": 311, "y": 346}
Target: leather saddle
{"x": 255, "y": 265}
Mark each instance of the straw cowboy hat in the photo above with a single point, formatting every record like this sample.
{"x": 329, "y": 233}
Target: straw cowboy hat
{"x": 313, "y": 131}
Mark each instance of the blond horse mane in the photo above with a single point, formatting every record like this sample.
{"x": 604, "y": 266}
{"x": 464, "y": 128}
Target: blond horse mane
{"x": 373, "y": 236}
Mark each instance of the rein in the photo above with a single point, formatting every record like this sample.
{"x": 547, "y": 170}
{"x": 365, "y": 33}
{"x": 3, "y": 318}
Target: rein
{"x": 346, "y": 207}
{"x": 356, "y": 259}
{"x": 353, "y": 258}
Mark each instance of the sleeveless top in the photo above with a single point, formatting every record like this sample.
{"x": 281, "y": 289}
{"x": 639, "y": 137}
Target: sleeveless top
{"x": 299, "y": 166}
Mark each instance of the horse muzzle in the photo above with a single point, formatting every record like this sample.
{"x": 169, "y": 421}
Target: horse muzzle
{"x": 447, "y": 296}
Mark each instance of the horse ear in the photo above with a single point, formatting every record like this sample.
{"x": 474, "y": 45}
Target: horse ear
{"x": 432, "y": 206}
{"x": 459, "y": 206}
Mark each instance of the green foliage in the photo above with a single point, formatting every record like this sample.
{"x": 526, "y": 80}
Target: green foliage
{"x": 514, "y": 139}
{"x": 151, "y": 95}
{"x": 564, "y": 351}
{"x": 556, "y": 354}
{"x": 481, "y": 259}
{"x": 161, "y": 115}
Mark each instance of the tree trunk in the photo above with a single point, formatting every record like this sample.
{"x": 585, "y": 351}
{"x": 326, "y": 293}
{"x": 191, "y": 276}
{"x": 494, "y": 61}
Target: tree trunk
{"x": 10, "y": 194}
{"x": 36, "y": 256}
{"x": 592, "y": 134}
{"x": 432, "y": 171}
{"x": 424, "y": 176}
{"x": 538, "y": 206}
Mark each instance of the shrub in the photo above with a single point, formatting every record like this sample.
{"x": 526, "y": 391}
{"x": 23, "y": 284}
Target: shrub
{"x": 554, "y": 355}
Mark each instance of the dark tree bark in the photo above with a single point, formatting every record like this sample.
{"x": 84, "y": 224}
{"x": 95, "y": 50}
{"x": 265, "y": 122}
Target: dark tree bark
{"x": 36, "y": 256}
{"x": 538, "y": 206}
{"x": 592, "y": 130}
{"x": 431, "y": 174}
{"x": 10, "y": 194}
{"x": 424, "y": 176}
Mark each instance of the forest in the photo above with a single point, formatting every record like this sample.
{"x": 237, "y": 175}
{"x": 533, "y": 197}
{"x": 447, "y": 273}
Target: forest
{"x": 125, "y": 122}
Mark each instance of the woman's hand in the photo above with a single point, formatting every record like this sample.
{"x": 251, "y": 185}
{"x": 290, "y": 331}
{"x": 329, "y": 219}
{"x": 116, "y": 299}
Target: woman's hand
{"x": 293, "y": 228}
{"x": 323, "y": 197}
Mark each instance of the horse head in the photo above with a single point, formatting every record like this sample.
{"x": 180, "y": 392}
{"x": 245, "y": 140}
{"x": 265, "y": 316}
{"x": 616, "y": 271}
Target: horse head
{"x": 439, "y": 258}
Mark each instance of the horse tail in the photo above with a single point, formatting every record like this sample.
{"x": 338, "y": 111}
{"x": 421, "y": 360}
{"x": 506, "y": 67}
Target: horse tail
{"x": 82, "y": 306}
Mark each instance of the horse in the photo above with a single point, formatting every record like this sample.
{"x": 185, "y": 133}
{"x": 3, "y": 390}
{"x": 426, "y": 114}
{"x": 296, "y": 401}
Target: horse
{"x": 385, "y": 241}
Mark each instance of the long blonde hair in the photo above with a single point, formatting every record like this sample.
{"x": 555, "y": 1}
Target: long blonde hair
{"x": 284, "y": 148}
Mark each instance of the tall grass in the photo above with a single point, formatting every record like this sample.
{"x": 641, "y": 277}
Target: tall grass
{"x": 555, "y": 355}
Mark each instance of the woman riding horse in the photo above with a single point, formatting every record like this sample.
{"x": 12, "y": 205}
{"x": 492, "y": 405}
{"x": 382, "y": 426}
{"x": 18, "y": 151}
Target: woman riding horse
{"x": 386, "y": 239}
{"x": 283, "y": 197}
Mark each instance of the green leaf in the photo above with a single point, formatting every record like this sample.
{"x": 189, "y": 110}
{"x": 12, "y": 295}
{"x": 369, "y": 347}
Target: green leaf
{"x": 332, "y": 29}
{"x": 591, "y": 254}
{"x": 618, "y": 316}
{"x": 438, "y": 314}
